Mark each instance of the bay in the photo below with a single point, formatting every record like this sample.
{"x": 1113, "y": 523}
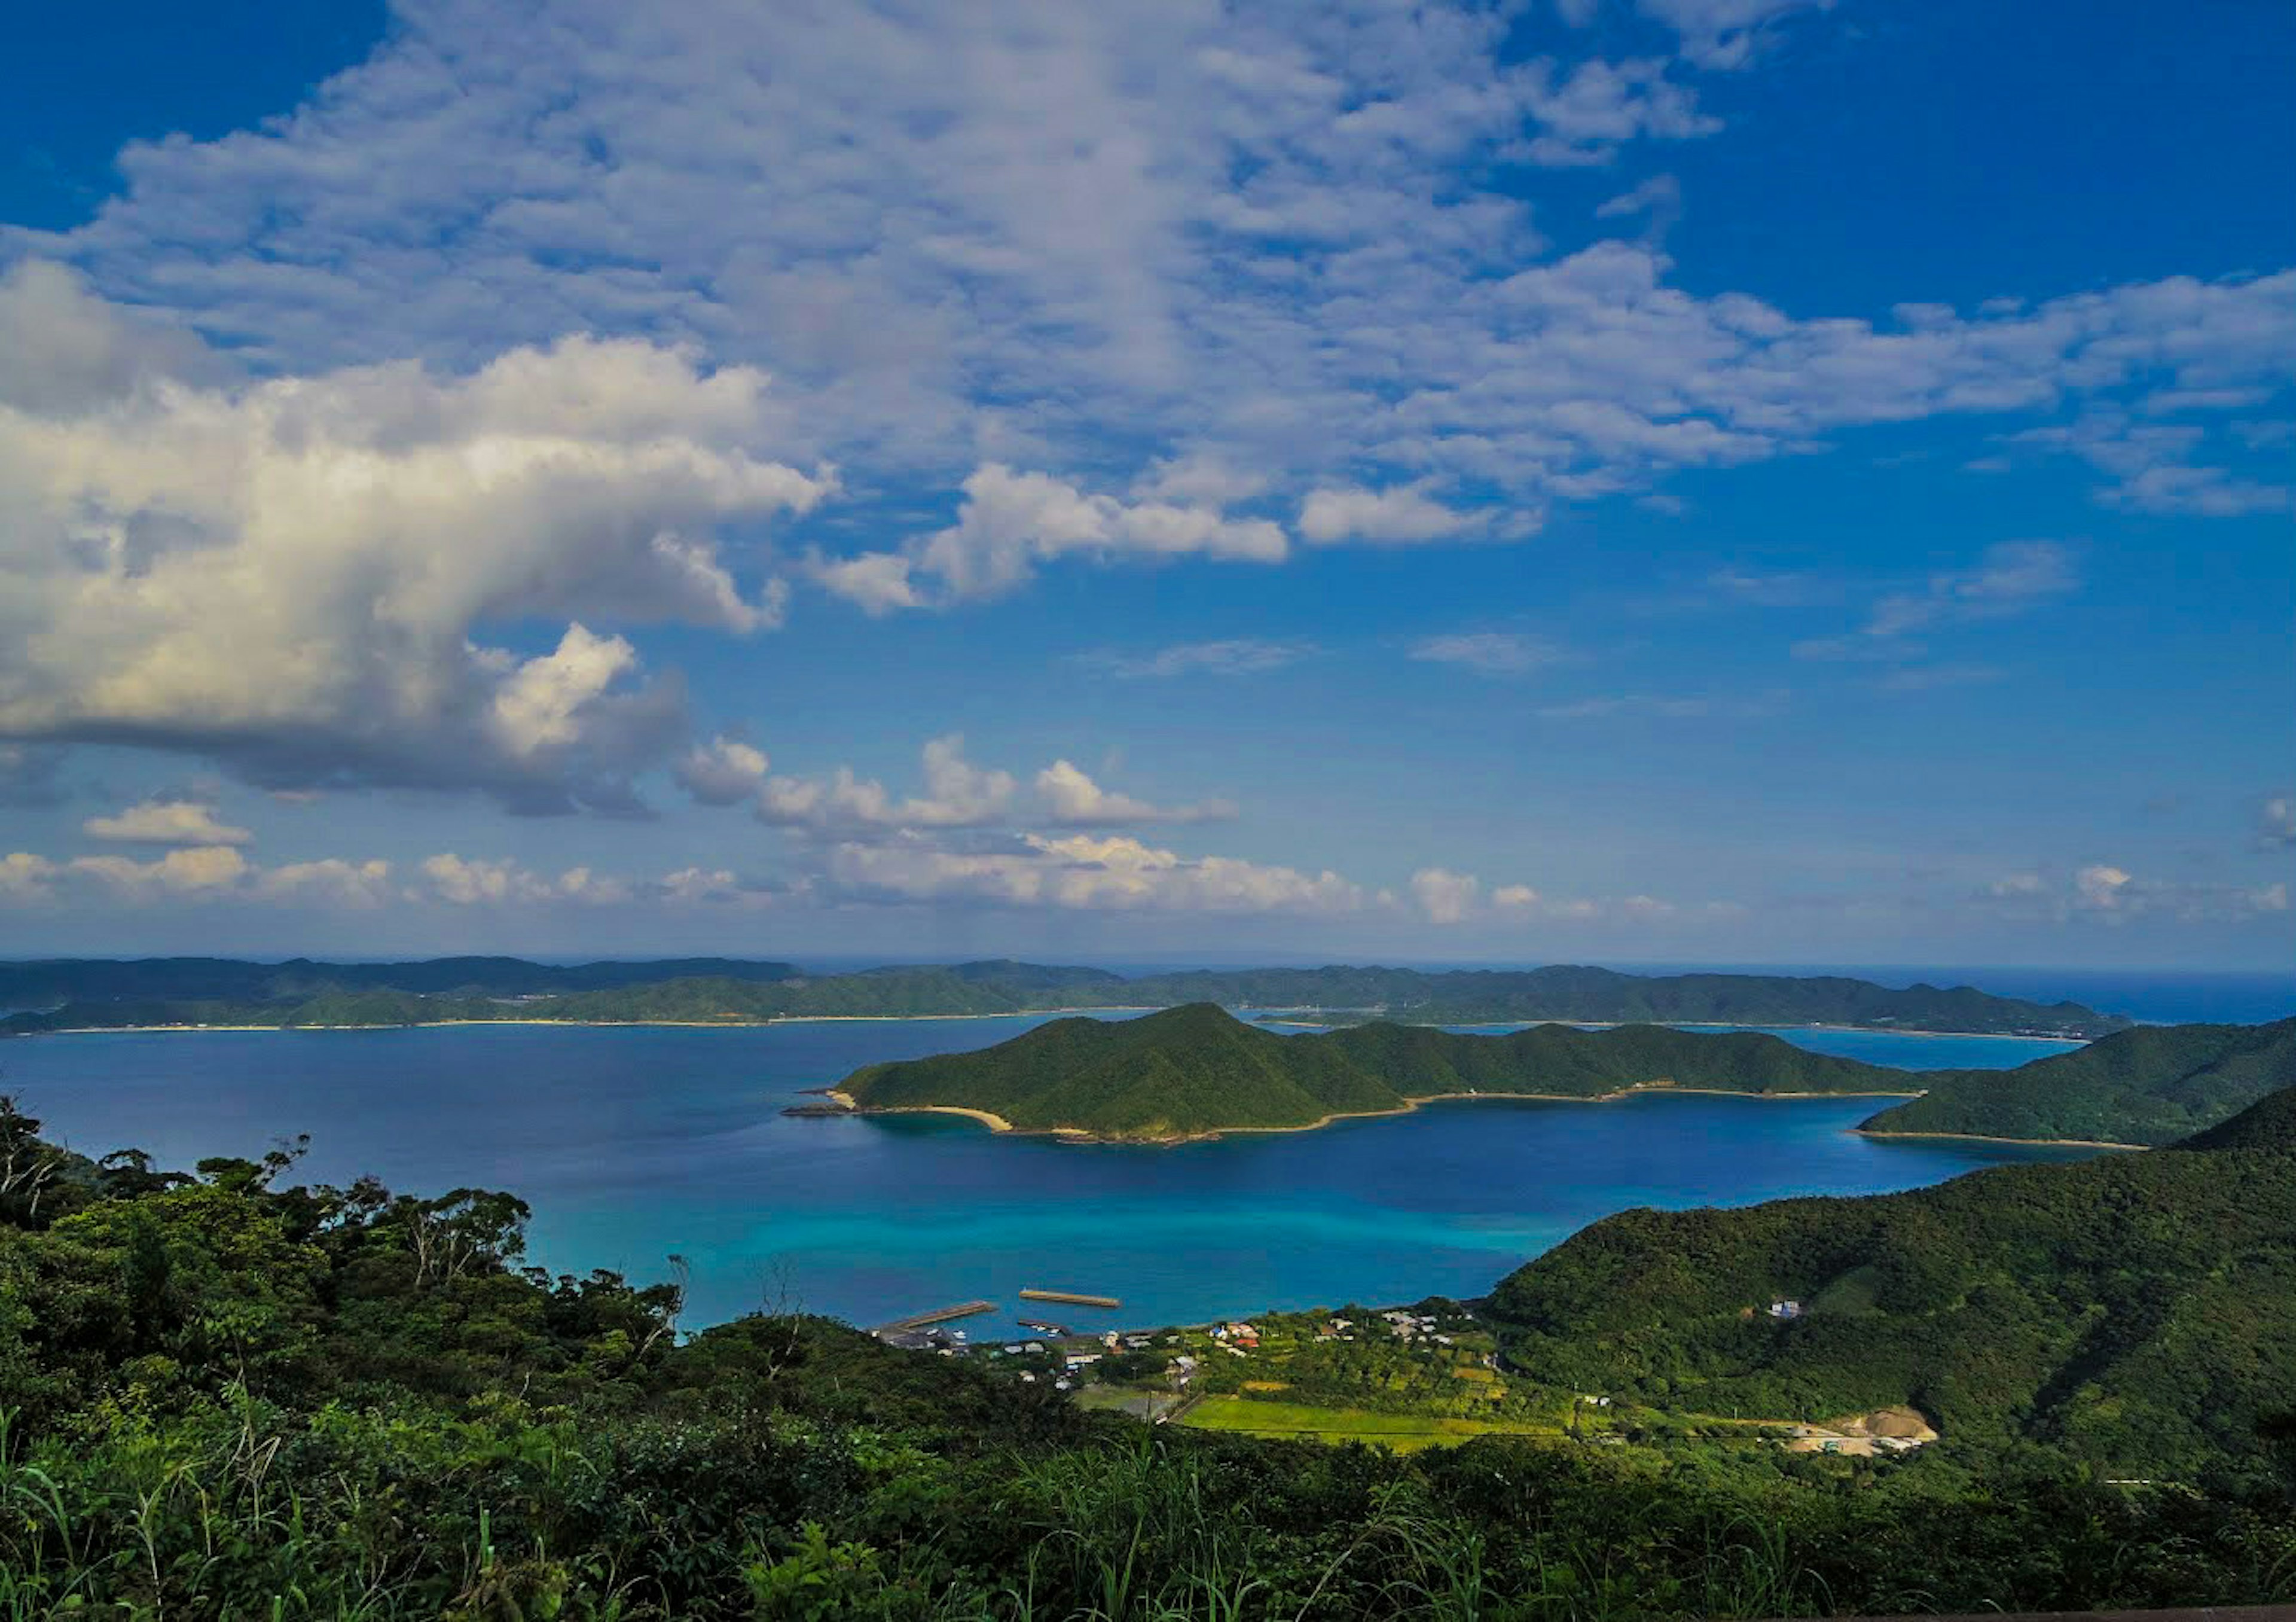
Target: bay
{"x": 635, "y": 1144}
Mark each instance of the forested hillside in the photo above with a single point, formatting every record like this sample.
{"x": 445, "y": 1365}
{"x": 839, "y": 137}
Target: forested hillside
{"x": 2151, "y": 1085}
{"x": 2138, "y": 1310}
{"x": 1190, "y": 1071}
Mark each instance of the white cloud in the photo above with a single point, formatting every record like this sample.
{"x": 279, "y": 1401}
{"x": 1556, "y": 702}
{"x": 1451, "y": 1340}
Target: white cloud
{"x": 166, "y": 822}
{"x": 1233, "y": 656}
{"x": 331, "y": 881}
{"x": 2103, "y": 892}
{"x": 1205, "y": 240}
{"x": 1012, "y": 522}
{"x": 724, "y": 771}
{"x": 1075, "y": 801}
{"x": 1444, "y": 896}
{"x": 1725, "y": 33}
{"x": 2276, "y": 823}
{"x": 1081, "y": 872}
{"x": 26, "y": 877}
{"x": 1494, "y": 653}
{"x": 1450, "y": 898}
{"x": 957, "y": 794}
{"x": 1400, "y": 515}
{"x": 197, "y": 870}
{"x": 1660, "y": 196}
{"x": 292, "y": 575}
{"x": 481, "y": 881}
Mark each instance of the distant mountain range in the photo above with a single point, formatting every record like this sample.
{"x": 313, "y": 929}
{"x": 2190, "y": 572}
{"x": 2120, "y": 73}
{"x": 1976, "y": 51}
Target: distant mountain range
{"x": 1198, "y": 1071}
{"x": 78, "y": 994}
{"x": 2135, "y": 1310}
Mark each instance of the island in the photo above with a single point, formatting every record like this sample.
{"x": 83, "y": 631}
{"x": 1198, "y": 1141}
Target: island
{"x": 1197, "y": 1071}
{"x": 184, "y": 993}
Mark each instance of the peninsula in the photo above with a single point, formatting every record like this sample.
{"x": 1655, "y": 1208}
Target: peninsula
{"x": 168, "y": 993}
{"x": 1197, "y": 1071}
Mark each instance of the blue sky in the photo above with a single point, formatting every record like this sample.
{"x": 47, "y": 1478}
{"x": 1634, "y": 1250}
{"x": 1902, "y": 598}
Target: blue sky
{"x": 1647, "y": 480}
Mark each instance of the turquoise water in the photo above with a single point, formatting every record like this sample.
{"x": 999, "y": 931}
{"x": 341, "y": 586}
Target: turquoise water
{"x": 635, "y": 1144}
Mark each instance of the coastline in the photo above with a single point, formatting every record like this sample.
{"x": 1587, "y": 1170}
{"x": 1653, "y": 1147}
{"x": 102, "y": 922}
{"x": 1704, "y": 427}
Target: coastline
{"x": 1701, "y": 1025}
{"x": 2029, "y": 1142}
{"x": 994, "y": 1123}
{"x": 1086, "y": 1135}
{"x": 784, "y": 1020}
{"x": 587, "y": 1025}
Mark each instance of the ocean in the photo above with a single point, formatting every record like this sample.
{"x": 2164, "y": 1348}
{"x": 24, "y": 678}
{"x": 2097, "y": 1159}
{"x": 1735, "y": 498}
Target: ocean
{"x": 634, "y": 1145}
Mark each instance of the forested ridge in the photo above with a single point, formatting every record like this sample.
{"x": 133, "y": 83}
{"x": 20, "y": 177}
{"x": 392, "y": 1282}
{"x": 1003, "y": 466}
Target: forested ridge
{"x": 78, "y": 994}
{"x": 1190, "y": 1071}
{"x": 224, "y": 1395}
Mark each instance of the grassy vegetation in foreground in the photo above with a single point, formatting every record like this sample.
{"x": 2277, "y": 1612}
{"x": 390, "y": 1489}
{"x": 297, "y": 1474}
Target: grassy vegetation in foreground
{"x": 225, "y": 1396}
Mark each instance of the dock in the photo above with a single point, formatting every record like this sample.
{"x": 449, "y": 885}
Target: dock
{"x": 1070, "y": 1297}
{"x": 963, "y": 1309}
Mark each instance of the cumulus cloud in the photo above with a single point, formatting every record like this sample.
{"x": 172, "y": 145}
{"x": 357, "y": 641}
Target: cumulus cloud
{"x": 482, "y": 881}
{"x": 724, "y": 771}
{"x": 1494, "y": 653}
{"x": 1010, "y": 523}
{"x": 1445, "y": 896}
{"x": 1449, "y": 898}
{"x": 197, "y": 870}
{"x": 957, "y": 794}
{"x": 1074, "y": 800}
{"x": 1081, "y": 872}
{"x": 1399, "y": 516}
{"x": 330, "y": 881}
{"x": 293, "y": 575}
{"x": 166, "y": 822}
{"x": 2276, "y": 824}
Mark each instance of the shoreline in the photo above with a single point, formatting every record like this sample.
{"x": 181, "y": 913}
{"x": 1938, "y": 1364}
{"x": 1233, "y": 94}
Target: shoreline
{"x": 1086, "y": 1135}
{"x": 2028, "y": 1143}
{"x": 584, "y": 1025}
{"x": 1695, "y": 1026}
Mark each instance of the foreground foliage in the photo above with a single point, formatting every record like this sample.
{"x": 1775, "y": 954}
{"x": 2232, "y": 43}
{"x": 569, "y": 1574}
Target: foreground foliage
{"x": 228, "y": 1397}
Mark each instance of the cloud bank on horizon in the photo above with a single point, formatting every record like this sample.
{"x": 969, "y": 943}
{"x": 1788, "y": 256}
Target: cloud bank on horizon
{"x": 582, "y": 458}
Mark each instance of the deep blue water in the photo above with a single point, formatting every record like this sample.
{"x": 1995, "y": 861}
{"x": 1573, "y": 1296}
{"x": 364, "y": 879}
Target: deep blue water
{"x": 634, "y": 1144}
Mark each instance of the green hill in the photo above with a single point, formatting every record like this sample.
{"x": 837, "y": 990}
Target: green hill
{"x": 1192, "y": 1071}
{"x": 2138, "y": 1310}
{"x": 2149, "y": 1085}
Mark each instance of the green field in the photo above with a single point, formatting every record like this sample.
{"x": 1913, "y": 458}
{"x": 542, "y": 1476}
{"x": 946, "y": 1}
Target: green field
{"x": 1403, "y": 1432}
